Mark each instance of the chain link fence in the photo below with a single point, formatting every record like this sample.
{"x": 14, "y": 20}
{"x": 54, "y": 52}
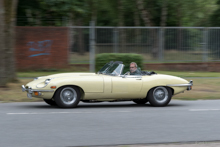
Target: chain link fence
{"x": 156, "y": 44}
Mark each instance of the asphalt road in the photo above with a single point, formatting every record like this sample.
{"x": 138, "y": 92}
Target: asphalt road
{"x": 37, "y": 124}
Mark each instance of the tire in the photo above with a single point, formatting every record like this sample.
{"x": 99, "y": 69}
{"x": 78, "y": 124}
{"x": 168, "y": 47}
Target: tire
{"x": 67, "y": 97}
{"x": 159, "y": 96}
{"x": 91, "y": 101}
{"x": 50, "y": 102}
{"x": 140, "y": 101}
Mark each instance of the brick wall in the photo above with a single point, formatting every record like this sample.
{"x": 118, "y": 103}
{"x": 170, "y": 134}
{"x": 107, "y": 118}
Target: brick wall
{"x": 41, "y": 47}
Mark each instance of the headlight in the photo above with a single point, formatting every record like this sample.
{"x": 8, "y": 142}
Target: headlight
{"x": 47, "y": 81}
{"x": 36, "y": 78}
{"x": 43, "y": 83}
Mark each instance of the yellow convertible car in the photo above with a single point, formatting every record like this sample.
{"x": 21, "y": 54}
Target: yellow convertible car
{"x": 112, "y": 83}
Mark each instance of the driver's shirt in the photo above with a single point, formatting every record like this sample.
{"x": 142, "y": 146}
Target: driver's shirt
{"x": 135, "y": 73}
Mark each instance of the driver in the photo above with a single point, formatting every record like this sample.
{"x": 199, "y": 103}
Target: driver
{"x": 133, "y": 69}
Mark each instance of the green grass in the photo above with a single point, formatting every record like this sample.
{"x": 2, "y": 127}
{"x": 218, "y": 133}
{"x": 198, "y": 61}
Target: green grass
{"x": 76, "y": 58}
{"x": 13, "y": 92}
{"x": 190, "y": 73}
{"x": 203, "y": 89}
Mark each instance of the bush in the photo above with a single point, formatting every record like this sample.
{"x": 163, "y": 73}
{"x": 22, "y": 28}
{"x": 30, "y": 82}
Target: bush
{"x": 126, "y": 58}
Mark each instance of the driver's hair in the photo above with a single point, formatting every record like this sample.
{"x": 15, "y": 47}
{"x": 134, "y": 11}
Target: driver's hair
{"x": 134, "y": 64}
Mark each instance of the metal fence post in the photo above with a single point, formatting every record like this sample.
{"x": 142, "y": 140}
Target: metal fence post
{"x": 115, "y": 39}
{"x": 205, "y": 42}
{"x": 92, "y": 46}
{"x": 161, "y": 44}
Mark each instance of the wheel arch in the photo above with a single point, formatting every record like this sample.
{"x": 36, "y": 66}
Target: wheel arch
{"x": 161, "y": 86}
{"x": 80, "y": 89}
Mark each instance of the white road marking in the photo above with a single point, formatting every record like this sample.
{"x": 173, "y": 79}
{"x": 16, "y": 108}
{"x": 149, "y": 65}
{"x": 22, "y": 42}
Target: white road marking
{"x": 204, "y": 109}
{"x": 32, "y": 113}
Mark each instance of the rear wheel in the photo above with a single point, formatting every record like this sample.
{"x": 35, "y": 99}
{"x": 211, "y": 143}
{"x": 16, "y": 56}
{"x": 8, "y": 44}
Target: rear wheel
{"x": 140, "y": 101}
{"x": 159, "y": 96}
{"x": 50, "y": 102}
{"x": 67, "y": 97}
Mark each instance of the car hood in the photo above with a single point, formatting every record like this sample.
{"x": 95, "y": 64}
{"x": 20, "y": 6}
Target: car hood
{"x": 41, "y": 80}
{"x": 171, "y": 79}
{"x": 61, "y": 75}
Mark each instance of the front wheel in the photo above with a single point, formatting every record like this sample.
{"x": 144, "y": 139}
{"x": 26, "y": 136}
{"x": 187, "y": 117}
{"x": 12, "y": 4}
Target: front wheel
{"x": 67, "y": 97}
{"x": 159, "y": 96}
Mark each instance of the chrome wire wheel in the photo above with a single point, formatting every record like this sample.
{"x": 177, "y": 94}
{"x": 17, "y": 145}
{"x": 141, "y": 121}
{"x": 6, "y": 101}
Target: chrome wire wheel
{"x": 68, "y": 95}
{"x": 160, "y": 94}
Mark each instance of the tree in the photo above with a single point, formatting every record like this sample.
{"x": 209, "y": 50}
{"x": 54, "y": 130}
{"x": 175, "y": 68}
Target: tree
{"x": 147, "y": 18}
{"x": 75, "y": 11}
{"x": 215, "y": 17}
{"x": 7, "y": 41}
{"x": 163, "y": 13}
{"x": 29, "y": 13}
{"x": 2, "y": 46}
{"x": 121, "y": 13}
{"x": 144, "y": 13}
{"x": 122, "y": 32}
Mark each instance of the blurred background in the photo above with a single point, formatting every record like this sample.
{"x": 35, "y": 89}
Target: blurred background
{"x": 41, "y": 37}
{"x": 160, "y": 30}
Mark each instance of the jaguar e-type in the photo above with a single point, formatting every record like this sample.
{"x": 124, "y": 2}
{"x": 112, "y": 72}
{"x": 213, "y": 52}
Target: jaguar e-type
{"x": 111, "y": 83}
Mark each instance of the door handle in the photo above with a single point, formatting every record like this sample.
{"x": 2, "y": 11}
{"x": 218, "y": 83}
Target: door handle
{"x": 138, "y": 79}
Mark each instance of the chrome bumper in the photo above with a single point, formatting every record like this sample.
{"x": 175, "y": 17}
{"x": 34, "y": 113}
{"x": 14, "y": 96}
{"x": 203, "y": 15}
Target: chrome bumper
{"x": 189, "y": 85}
{"x": 30, "y": 91}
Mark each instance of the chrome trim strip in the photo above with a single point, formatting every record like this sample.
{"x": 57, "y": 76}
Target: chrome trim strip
{"x": 30, "y": 90}
{"x": 121, "y": 70}
{"x": 23, "y": 88}
{"x": 179, "y": 85}
{"x": 133, "y": 76}
{"x": 43, "y": 90}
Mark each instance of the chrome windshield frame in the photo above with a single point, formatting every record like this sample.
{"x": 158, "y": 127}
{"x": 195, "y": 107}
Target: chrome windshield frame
{"x": 119, "y": 68}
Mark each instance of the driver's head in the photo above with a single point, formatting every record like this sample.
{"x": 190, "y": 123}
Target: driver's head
{"x": 133, "y": 67}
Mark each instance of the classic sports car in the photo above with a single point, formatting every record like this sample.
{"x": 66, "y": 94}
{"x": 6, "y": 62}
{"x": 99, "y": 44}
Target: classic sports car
{"x": 109, "y": 84}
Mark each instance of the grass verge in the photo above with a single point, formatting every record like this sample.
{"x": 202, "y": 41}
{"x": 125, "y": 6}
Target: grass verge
{"x": 190, "y": 74}
{"x": 13, "y": 92}
{"x": 203, "y": 89}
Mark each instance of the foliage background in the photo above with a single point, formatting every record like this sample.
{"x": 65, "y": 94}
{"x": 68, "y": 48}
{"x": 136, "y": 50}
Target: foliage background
{"x": 118, "y": 12}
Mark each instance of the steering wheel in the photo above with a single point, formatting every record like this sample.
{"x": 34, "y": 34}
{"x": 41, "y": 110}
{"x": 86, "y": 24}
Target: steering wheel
{"x": 127, "y": 73}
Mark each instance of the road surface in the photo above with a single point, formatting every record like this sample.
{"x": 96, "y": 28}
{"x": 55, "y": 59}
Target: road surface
{"x": 108, "y": 124}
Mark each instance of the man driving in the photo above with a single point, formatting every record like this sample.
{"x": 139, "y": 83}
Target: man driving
{"x": 133, "y": 69}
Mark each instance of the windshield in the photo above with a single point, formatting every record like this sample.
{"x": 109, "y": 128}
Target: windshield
{"x": 105, "y": 67}
{"x": 111, "y": 68}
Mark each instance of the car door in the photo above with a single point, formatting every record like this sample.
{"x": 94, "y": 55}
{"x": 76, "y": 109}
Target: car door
{"x": 129, "y": 84}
